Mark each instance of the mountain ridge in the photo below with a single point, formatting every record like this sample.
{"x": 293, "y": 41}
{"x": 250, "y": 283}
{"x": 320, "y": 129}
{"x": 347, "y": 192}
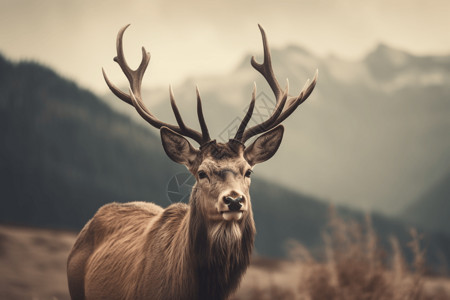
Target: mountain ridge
{"x": 68, "y": 153}
{"x": 431, "y": 209}
{"x": 382, "y": 118}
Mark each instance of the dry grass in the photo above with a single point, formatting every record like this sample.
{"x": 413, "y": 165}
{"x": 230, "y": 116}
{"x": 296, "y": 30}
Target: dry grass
{"x": 355, "y": 268}
{"x": 33, "y": 266}
{"x": 33, "y": 263}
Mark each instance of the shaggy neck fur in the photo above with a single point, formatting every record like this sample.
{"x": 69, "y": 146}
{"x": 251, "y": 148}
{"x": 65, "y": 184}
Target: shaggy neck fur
{"x": 221, "y": 250}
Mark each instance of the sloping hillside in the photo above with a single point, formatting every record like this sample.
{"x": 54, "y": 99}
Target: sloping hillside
{"x": 65, "y": 153}
{"x": 432, "y": 209}
{"x": 373, "y": 135}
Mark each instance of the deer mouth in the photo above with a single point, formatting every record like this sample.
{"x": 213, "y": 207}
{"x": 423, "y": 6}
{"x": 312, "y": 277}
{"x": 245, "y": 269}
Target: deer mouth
{"x": 232, "y": 215}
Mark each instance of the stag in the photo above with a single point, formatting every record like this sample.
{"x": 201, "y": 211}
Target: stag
{"x": 139, "y": 250}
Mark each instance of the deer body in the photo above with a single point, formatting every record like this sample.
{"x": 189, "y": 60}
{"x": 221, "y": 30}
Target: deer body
{"x": 139, "y": 250}
{"x": 142, "y": 232}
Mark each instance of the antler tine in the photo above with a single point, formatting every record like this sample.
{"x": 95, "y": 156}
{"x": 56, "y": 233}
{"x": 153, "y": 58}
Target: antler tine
{"x": 134, "y": 76}
{"x": 175, "y": 110}
{"x": 266, "y": 69}
{"x": 134, "y": 98}
{"x": 281, "y": 111}
{"x": 304, "y": 94}
{"x": 116, "y": 91}
{"x": 152, "y": 120}
{"x": 268, "y": 124}
{"x": 248, "y": 115}
{"x": 201, "y": 118}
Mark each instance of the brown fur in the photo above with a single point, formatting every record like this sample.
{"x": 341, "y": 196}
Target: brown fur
{"x": 197, "y": 251}
{"x": 158, "y": 254}
{"x": 138, "y": 250}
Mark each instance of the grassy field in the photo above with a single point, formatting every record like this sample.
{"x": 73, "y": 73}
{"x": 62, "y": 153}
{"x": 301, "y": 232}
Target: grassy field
{"x": 354, "y": 267}
{"x": 33, "y": 266}
{"x": 33, "y": 263}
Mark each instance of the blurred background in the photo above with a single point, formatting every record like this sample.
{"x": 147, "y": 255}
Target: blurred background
{"x": 372, "y": 140}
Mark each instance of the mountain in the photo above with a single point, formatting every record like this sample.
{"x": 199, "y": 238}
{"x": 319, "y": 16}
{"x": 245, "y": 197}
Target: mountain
{"x": 372, "y": 136}
{"x": 65, "y": 153}
{"x": 431, "y": 210}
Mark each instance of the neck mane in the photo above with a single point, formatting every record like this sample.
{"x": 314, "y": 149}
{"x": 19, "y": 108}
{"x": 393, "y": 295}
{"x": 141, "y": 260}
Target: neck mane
{"x": 221, "y": 250}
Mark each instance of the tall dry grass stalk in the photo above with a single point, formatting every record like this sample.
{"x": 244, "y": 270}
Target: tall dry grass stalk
{"x": 355, "y": 268}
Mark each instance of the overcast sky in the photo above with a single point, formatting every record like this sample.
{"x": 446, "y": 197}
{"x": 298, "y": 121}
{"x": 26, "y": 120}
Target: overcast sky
{"x": 188, "y": 38}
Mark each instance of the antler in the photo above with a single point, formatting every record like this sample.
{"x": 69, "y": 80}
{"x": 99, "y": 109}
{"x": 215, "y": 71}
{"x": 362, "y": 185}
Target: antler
{"x": 134, "y": 98}
{"x": 285, "y": 105}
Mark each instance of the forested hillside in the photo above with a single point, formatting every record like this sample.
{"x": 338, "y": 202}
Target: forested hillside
{"x": 65, "y": 153}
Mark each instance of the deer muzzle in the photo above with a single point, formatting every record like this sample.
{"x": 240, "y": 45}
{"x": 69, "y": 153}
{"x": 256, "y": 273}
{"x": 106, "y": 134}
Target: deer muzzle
{"x": 235, "y": 207}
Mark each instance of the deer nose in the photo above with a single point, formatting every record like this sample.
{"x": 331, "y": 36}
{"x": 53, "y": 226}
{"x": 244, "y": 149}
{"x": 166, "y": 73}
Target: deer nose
{"x": 234, "y": 204}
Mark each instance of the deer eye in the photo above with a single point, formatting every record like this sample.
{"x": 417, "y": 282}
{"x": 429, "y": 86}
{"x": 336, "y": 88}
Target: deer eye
{"x": 248, "y": 173}
{"x": 202, "y": 175}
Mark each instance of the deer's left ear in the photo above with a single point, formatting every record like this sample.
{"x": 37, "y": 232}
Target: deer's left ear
{"x": 177, "y": 147}
{"x": 265, "y": 146}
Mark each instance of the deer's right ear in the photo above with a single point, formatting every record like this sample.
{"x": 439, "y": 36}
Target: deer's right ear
{"x": 177, "y": 147}
{"x": 265, "y": 146}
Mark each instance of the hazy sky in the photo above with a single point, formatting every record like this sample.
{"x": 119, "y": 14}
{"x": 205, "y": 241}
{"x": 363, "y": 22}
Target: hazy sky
{"x": 189, "y": 38}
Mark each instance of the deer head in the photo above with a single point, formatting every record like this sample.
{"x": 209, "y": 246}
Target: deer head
{"x": 222, "y": 170}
